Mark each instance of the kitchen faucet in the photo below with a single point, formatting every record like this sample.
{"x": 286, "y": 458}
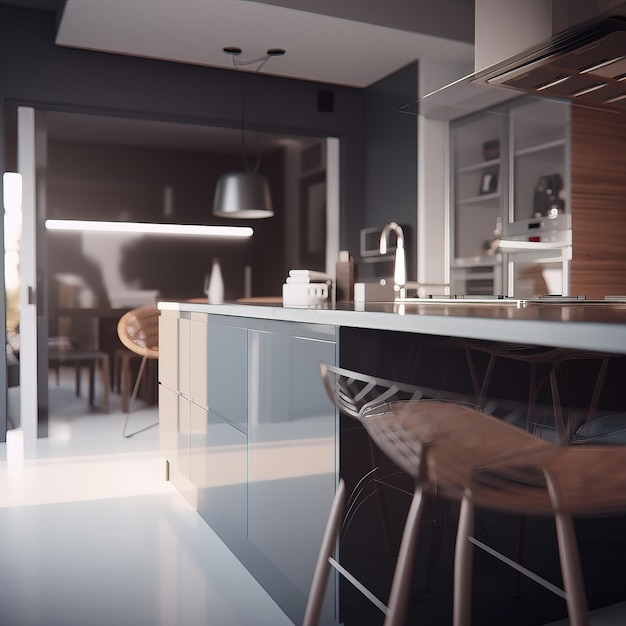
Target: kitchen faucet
{"x": 399, "y": 272}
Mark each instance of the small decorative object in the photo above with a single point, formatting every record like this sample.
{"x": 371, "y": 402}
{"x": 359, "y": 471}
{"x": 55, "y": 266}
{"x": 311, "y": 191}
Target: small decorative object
{"x": 215, "y": 287}
{"x": 489, "y": 181}
{"x": 547, "y": 199}
{"x": 491, "y": 150}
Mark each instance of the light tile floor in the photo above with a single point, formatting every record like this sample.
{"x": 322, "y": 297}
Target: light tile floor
{"x": 92, "y": 534}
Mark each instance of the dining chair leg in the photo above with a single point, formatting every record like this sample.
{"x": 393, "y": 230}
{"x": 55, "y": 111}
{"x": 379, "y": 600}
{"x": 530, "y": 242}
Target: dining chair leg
{"x": 132, "y": 400}
{"x": 106, "y": 383}
{"x": 327, "y": 550}
{"x": 463, "y": 562}
{"x": 401, "y": 585}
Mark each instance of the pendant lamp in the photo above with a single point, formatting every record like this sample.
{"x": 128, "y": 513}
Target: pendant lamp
{"x": 245, "y": 194}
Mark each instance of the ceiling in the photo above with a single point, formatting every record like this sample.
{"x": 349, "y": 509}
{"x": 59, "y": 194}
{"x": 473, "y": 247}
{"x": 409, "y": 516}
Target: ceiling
{"x": 352, "y": 42}
{"x": 347, "y": 42}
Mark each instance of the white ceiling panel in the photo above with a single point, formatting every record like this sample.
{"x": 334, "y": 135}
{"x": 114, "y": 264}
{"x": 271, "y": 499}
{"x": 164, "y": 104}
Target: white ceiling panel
{"x": 319, "y": 47}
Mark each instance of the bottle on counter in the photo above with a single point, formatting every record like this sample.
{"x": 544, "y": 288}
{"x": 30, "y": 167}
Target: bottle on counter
{"x": 344, "y": 277}
{"x": 215, "y": 291}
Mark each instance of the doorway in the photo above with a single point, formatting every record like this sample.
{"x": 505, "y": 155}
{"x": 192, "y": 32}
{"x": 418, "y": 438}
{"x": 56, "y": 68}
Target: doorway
{"x": 105, "y": 167}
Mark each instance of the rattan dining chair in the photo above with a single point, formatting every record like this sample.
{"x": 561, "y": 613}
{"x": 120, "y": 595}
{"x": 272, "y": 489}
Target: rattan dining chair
{"x": 138, "y": 330}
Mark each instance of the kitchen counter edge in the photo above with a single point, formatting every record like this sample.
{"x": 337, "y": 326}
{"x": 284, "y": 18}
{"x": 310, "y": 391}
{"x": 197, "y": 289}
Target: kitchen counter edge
{"x": 469, "y": 323}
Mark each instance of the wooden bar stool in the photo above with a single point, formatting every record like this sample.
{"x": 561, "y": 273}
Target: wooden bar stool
{"x": 355, "y": 393}
{"x": 543, "y": 363}
{"x": 455, "y": 451}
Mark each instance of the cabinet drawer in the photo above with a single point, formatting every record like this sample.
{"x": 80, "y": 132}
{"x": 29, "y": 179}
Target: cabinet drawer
{"x": 220, "y": 468}
{"x": 227, "y": 380}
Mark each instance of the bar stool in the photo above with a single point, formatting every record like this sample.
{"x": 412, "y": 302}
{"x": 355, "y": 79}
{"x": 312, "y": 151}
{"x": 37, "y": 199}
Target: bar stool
{"x": 543, "y": 363}
{"x": 455, "y": 451}
{"x": 354, "y": 393}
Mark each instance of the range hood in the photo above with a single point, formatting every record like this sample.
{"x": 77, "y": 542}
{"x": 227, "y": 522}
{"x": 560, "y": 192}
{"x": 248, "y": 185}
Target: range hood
{"x": 585, "y": 64}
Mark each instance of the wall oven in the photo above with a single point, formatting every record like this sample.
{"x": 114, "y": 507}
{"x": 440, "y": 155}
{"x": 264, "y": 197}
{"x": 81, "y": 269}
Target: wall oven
{"x": 537, "y": 254}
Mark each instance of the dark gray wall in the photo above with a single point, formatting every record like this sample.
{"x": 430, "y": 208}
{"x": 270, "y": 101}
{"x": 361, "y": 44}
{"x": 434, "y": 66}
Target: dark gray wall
{"x": 391, "y": 162}
{"x": 33, "y": 71}
{"x": 126, "y": 183}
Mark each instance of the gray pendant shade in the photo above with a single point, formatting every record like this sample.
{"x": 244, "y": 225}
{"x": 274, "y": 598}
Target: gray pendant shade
{"x": 244, "y": 195}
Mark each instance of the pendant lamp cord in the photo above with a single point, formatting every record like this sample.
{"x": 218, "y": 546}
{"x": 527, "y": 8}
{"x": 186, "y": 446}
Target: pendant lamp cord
{"x": 259, "y": 62}
{"x": 243, "y": 137}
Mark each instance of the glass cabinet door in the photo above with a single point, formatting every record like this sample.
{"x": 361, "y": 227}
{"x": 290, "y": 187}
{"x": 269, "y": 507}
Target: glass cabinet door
{"x": 539, "y": 131}
{"x": 478, "y": 145}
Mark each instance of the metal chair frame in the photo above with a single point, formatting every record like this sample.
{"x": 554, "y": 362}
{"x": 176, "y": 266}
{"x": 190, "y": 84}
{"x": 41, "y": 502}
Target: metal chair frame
{"x": 457, "y": 452}
{"x": 355, "y": 394}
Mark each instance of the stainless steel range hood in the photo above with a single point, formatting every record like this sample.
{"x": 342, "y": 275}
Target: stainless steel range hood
{"x": 585, "y": 64}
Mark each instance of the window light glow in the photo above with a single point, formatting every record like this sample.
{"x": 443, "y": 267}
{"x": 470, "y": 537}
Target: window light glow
{"x": 12, "y": 192}
{"x": 150, "y": 229}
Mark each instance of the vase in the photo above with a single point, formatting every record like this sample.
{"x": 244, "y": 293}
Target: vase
{"x": 215, "y": 291}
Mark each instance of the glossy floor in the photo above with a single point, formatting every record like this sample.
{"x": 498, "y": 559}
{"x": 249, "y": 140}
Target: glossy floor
{"x": 91, "y": 533}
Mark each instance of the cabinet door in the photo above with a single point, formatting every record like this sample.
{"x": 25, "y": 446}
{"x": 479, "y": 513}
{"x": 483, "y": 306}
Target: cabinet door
{"x": 174, "y": 429}
{"x": 539, "y": 138}
{"x": 199, "y": 360}
{"x": 478, "y": 147}
{"x": 219, "y": 467}
{"x": 291, "y": 449}
{"x": 168, "y": 423}
{"x": 226, "y": 372}
{"x": 183, "y": 435}
{"x": 168, "y": 349}
{"x": 184, "y": 356}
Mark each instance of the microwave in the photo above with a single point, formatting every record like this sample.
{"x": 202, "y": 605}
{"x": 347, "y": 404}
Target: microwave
{"x": 370, "y": 246}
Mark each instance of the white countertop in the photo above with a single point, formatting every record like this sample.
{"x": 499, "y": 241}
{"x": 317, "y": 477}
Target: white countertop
{"x": 597, "y": 327}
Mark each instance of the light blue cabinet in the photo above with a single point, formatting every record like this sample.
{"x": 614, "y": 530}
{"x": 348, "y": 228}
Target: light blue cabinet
{"x": 220, "y": 443}
{"x": 291, "y": 446}
{"x": 250, "y": 424}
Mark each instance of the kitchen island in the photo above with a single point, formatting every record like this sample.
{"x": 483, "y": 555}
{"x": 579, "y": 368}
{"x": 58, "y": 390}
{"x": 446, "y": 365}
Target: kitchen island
{"x": 254, "y": 443}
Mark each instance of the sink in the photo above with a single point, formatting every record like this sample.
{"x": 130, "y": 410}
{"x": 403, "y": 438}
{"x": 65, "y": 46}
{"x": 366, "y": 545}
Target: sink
{"x": 460, "y": 300}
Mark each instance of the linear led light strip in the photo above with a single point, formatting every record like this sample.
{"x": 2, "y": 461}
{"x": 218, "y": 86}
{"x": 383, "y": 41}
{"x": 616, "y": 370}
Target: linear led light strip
{"x": 150, "y": 229}
{"x": 587, "y": 90}
{"x": 604, "y": 63}
{"x": 553, "y": 83}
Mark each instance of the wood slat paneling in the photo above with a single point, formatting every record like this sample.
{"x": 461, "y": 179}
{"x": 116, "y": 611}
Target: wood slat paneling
{"x": 598, "y": 203}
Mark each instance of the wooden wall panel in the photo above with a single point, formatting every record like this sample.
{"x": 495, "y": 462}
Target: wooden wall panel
{"x": 598, "y": 203}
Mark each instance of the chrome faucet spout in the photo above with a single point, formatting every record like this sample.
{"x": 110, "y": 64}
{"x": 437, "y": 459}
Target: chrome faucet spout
{"x": 399, "y": 273}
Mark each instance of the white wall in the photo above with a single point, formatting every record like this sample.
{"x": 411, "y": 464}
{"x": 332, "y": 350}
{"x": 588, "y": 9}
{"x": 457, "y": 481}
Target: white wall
{"x": 433, "y": 249}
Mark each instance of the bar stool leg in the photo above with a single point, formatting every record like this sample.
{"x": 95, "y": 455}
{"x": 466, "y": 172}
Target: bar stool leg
{"x": 327, "y": 550}
{"x": 399, "y": 595}
{"x": 463, "y": 561}
{"x": 575, "y": 595}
